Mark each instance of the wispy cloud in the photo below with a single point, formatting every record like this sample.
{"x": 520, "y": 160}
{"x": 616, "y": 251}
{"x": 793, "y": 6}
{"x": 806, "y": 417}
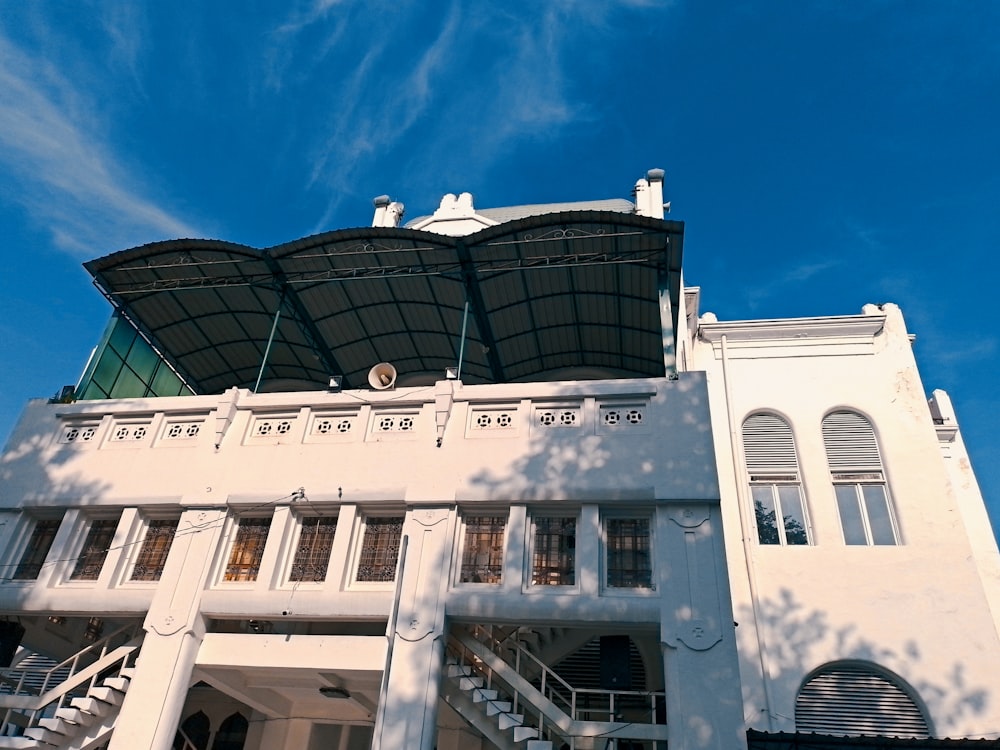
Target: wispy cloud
{"x": 757, "y": 293}
{"x": 69, "y": 177}
{"x": 482, "y": 104}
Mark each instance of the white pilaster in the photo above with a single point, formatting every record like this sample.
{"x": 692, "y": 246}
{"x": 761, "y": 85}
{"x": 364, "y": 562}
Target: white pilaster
{"x": 174, "y": 631}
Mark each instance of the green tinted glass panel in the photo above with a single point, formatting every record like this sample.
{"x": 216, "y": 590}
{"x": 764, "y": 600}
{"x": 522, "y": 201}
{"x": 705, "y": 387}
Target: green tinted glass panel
{"x": 166, "y": 383}
{"x": 122, "y": 337}
{"x": 143, "y": 361}
{"x": 128, "y": 385}
{"x": 141, "y": 374}
{"x": 106, "y": 372}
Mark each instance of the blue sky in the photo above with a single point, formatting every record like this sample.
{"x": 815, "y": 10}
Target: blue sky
{"x": 822, "y": 154}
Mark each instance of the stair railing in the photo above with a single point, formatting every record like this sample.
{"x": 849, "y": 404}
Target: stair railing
{"x": 39, "y": 692}
{"x": 609, "y": 708}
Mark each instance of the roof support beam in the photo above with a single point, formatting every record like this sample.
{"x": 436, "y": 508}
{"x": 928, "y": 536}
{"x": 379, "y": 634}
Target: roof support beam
{"x": 475, "y": 297}
{"x": 305, "y": 321}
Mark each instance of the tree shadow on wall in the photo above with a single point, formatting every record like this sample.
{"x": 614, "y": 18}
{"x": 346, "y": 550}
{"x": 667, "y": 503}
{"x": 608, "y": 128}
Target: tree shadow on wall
{"x": 795, "y": 635}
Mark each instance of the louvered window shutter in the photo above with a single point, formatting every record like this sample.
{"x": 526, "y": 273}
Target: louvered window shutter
{"x": 850, "y": 443}
{"x": 855, "y": 700}
{"x": 769, "y": 446}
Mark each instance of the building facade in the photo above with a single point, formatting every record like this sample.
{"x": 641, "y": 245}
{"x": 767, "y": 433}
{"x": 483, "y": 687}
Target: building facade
{"x": 488, "y": 480}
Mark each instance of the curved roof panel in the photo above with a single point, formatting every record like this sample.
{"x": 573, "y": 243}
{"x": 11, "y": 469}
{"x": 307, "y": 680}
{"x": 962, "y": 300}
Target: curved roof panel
{"x": 571, "y": 290}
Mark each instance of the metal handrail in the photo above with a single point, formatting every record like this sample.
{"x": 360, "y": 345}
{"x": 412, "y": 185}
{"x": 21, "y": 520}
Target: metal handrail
{"x": 63, "y": 681}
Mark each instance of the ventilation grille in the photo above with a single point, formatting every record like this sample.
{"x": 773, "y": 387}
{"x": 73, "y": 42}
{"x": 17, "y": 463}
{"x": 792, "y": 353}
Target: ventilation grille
{"x": 582, "y": 668}
{"x": 850, "y": 443}
{"x": 768, "y": 444}
{"x": 856, "y": 701}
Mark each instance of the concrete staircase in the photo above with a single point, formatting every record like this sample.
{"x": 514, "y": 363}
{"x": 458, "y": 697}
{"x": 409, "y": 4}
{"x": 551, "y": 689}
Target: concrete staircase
{"x": 73, "y": 705}
{"x": 87, "y": 722}
{"x": 488, "y": 711}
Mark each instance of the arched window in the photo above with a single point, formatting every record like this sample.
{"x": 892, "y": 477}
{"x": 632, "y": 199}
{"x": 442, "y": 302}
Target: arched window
{"x": 856, "y": 699}
{"x": 232, "y": 733}
{"x": 775, "y": 489}
{"x": 858, "y": 479}
{"x": 195, "y": 730}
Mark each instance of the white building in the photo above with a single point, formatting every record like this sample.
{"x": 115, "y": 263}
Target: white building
{"x": 542, "y": 504}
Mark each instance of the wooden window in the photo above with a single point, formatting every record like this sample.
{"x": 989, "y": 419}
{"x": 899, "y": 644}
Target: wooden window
{"x": 312, "y": 554}
{"x": 482, "y": 553}
{"x": 155, "y": 548}
{"x": 380, "y": 549}
{"x": 95, "y": 550}
{"x": 37, "y": 550}
{"x": 553, "y": 559}
{"x": 248, "y": 549}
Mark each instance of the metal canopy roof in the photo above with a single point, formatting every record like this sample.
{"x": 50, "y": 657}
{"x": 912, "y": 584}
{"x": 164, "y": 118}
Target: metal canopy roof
{"x": 575, "y": 292}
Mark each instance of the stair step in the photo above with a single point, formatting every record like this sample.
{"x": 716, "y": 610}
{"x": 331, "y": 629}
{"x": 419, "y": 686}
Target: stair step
{"x": 127, "y": 672}
{"x": 91, "y": 706}
{"x": 470, "y": 683}
{"x": 19, "y": 743}
{"x": 525, "y": 733}
{"x": 496, "y": 707}
{"x": 508, "y": 720}
{"x": 482, "y": 694}
{"x": 59, "y": 726}
{"x": 75, "y": 716}
{"x": 117, "y": 683}
{"x": 44, "y": 735}
{"x": 539, "y": 745}
{"x": 107, "y": 695}
{"x": 459, "y": 670}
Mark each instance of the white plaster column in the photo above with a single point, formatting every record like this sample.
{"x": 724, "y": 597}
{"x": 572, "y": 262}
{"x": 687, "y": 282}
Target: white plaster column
{"x": 700, "y": 663}
{"x": 174, "y": 632}
{"x": 407, "y": 711}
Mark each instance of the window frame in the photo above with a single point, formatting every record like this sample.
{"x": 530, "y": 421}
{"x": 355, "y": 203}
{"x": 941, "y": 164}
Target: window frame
{"x": 495, "y": 549}
{"x": 24, "y": 548}
{"x": 302, "y": 521}
{"x": 148, "y": 523}
{"x": 96, "y": 529}
{"x": 771, "y": 460}
{"x": 234, "y": 523}
{"x": 534, "y": 551}
{"x": 363, "y": 522}
{"x": 854, "y": 459}
{"x": 638, "y": 516}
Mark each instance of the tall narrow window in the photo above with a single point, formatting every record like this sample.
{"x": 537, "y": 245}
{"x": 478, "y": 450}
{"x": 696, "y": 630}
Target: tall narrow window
{"x": 858, "y": 480}
{"x": 248, "y": 549}
{"x": 553, "y": 558}
{"x": 312, "y": 554}
{"x": 37, "y": 550}
{"x": 775, "y": 488}
{"x": 380, "y": 549}
{"x": 482, "y": 554}
{"x": 95, "y": 550}
{"x": 628, "y": 553}
{"x": 155, "y": 548}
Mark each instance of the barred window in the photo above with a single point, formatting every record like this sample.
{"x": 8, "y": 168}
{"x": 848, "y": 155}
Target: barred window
{"x": 312, "y": 555}
{"x": 95, "y": 550}
{"x": 482, "y": 555}
{"x": 248, "y": 549}
{"x": 380, "y": 549}
{"x": 628, "y": 553}
{"x": 155, "y": 548}
{"x": 553, "y": 560}
{"x": 37, "y": 550}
